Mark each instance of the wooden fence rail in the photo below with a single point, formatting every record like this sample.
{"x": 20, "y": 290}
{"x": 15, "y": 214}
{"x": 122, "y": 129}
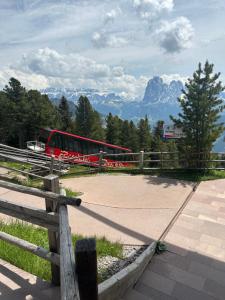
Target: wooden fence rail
{"x": 55, "y": 218}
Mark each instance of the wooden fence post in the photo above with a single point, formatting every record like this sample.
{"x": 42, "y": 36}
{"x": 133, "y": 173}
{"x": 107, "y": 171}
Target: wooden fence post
{"x": 51, "y": 183}
{"x": 141, "y": 160}
{"x": 101, "y": 162}
{"x": 52, "y": 164}
{"x": 86, "y": 269}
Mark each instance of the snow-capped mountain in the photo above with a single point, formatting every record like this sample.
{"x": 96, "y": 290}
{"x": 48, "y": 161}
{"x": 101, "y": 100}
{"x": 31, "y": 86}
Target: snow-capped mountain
{"x": 158, "y": 103}
{"x": 160, "y": 100}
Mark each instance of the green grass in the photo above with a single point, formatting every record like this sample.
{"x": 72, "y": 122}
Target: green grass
{"x": 70, "y": 193}
{"x": 77, "y": 170}
{"x": 15, "y": 165}
{"x": 38, "y": 236}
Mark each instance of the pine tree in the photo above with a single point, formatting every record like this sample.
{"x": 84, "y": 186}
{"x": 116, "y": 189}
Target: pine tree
{"x": 23, "y": 113}
{"x": 113, "y": 129}
{"x": 125, "y": 133}
{"x": 65, "y": 116}
{"x": 97, "y": 132}
{"x": 157, "y": 140}
{"x": 84, "y": 117}
{"x": 201, "y": 107}
{"x": 88, "y": 122}
{"x": 15, "y": 91}
{"x": 16, "y": 94}
{"x": 144, "y": 134}
{"x": 133, "y": 142}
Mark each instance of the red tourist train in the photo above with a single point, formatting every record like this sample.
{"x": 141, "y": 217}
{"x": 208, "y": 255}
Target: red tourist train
{"x": 68, "y": 146}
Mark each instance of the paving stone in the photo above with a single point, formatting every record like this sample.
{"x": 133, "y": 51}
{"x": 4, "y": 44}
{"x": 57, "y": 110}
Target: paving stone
{"x": 157, "y": 282}
{"x": 182, "y": 292}
{"x": 155, "y": 294}
{"x": 185, "y": 232}
{"x": 174, "y": 259}
{"x": 193, "y": 267}
{"x": 177, "y": 274}
{"x": 207, "y": 272}
{"x": 215, "y": 289}
{"x": 135, "y": 295}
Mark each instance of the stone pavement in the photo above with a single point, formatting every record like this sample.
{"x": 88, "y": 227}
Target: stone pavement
{"x": 193, "y": 268}
{"x": 128, "y": 209}
{"x": 16, "y": 284}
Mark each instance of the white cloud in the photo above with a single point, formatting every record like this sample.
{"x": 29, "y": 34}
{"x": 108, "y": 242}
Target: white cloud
{"x": 46, "y": 67}
{"x": 176, "y": 35}
{"x": 111, "y": 15}
{"x": 167, "y": 78}
{"x": 103, "y": 40}
{"x": 151, "y": 9}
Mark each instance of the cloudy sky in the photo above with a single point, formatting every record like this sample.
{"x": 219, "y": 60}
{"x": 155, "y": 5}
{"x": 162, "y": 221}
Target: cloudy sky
{"x": 115, "y": 45}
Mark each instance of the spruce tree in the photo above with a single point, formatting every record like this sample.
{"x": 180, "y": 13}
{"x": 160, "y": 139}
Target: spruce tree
{"x": 65, "y": 115}
{"x": 157, "y": 140}
{"x": 144, "y": 134}
{"x": 113, "y": 129}
{"x": 201, "y": 106}
{"x": 84, "y": 117}
{"x": 88, "y": 122}
{"x": 97, "y": 131}
{"x": 23, "y": 113}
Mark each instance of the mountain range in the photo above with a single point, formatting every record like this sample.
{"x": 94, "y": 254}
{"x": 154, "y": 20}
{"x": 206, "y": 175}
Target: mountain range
{"x": 158, "y": 103}
{"x": 160, "y": 100}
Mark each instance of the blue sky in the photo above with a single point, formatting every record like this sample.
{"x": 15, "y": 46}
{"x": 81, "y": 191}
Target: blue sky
{"x": 108, "y": 45}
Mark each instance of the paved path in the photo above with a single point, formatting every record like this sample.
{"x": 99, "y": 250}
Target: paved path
{"x": 16, "y": 284}
{"x": 129, "y": 209}
{"x": 194, "y": 265}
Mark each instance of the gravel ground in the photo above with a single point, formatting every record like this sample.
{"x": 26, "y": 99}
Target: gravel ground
{"x": 109, "y": 265}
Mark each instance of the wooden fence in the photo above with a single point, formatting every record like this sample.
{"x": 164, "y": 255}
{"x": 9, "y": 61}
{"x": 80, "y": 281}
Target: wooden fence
{"x": 164, "y": 160}
{"x": 78, "y": 280}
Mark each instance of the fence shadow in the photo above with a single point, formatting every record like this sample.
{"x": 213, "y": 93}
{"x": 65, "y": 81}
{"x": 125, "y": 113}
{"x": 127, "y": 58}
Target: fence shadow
{"x": 16, "y": 286}
{"x": 137, "y": 235}
{"x": 183, "y": 274}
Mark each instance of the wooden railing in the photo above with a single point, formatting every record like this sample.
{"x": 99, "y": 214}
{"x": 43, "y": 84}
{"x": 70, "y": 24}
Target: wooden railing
{"x": 151, "y": 160}
{"x": 49, "y": 164}
{"x": 64, "y": 272}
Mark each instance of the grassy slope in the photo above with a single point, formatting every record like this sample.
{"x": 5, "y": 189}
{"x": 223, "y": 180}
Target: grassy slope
{"x": 36, "y": 235}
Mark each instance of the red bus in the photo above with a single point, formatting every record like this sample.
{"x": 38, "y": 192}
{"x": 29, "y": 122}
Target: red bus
{"x": 68, "y": 146}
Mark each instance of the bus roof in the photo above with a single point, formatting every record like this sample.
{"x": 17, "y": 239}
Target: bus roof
{"x": 87, "y": 139}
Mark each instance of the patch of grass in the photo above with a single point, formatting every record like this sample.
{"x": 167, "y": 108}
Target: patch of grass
{"x": 38, "y": 236}
{"x": 36, "y": 183}
{"x": 70, "y": 193}
{"x": 15, "y": 165}
{"x": 77, "y": 170}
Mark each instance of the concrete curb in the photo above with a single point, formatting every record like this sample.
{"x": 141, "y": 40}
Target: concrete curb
{"x": 115, "y": 287}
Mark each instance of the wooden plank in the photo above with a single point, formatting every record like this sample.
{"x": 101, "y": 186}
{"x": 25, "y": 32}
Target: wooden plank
{"x": 39, "y": 193}
{"x": 9, "y": 157}
{"x": 69, "y": 288}
{"x": 86, "y": 269}
{"x": 22, "y": 172}
{"x": 29, "y": 214}
{"x": 39, "y": 251}
{"x": 51, "y": 183}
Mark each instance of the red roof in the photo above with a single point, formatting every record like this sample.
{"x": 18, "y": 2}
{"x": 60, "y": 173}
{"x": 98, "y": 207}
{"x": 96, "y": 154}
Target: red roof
{"x": 90, "y": 140}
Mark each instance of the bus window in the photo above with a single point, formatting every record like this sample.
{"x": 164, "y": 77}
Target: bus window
{"x": 70, "y": 144}
{"x": 84, "y": 147}
{"x": 43, "y": 137}
{"x": 77, "y": 147}
{"x": 52, "y": 142}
